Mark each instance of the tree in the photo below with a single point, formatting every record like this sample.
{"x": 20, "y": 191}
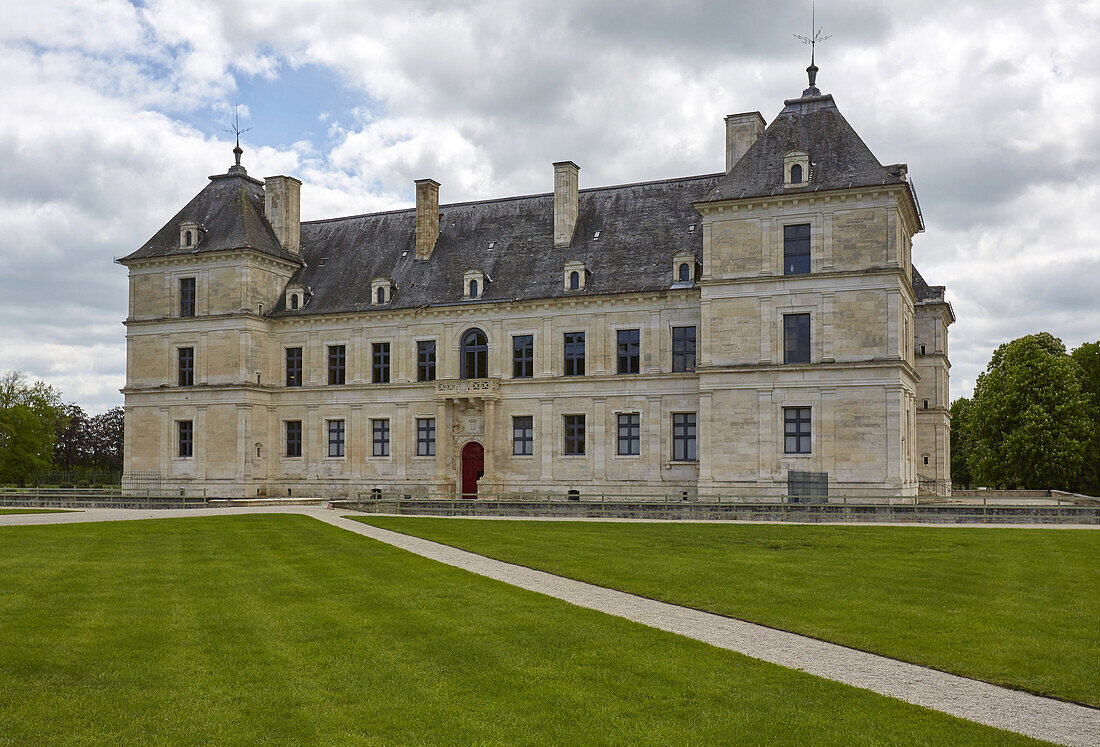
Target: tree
{"x": 70, "y": 446}
{"x": 29, "y": 417}
{"x": 1087, "y": 358}
{"x": 106, "y": 439}
{"x": 1029, "y": 422}
{"x": 960, "y": 442}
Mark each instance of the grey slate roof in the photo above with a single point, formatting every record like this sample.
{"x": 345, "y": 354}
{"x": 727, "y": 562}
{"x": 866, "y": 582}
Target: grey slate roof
{"x": 642, "y": 227}
{"x": 230, "y": 210}
{"x": 924, "y": 291}
{"x": 812, "y": 124}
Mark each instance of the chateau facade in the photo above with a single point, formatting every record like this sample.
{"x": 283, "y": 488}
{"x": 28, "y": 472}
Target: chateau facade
{"x": 759, "y": 331}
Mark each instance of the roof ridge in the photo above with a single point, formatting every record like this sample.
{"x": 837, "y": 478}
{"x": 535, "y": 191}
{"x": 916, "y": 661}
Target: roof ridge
{"x": 514, "y": 198}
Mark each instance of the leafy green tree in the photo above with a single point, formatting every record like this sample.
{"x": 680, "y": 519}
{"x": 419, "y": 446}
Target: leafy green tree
{"x": 71, "y": 447}
{"x": 1087, "y": 358}
{"x": 106, "y": 439}
{"x": 1029, "y": 420}
{"x": 960, "y": 443}
{"x": 29, "y": 418}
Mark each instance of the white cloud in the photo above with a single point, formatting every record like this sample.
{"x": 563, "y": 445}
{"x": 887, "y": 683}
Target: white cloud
{"x": 996, "y": 114}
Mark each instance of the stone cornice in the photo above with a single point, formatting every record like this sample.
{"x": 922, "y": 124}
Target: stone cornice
{"x": 818, "y": 199}
{"x": 478, "y": 309}
{"x": 884, "y": 270}
{"x": 220, "y": 256}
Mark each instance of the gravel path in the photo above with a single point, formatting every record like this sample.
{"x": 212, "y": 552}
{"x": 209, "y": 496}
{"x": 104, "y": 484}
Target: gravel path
{"x": 1032, "y": 715}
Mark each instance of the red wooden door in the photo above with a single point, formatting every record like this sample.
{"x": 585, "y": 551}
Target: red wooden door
{"x": 473, "y": 467}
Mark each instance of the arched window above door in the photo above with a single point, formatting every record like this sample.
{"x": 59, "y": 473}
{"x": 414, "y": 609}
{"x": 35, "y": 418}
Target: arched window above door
{"x": 475, "y": 355}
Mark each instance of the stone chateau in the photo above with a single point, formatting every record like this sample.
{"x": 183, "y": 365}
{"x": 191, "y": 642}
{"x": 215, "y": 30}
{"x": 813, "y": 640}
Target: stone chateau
{"x": 758, "y": 331}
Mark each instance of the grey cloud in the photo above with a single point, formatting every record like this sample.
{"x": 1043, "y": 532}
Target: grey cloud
{"x": 491, "y": 92}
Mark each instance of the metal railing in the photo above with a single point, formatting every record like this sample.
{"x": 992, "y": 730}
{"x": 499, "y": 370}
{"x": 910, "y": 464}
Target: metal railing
{"x": 380, "y": 495}
{"x": 100, "y": 498}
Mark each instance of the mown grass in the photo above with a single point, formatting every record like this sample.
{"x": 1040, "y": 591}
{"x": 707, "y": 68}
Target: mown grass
{"x": 1018, "y": 607}
{"x": 282, "y": 629}
{"x": 33, "y": 511}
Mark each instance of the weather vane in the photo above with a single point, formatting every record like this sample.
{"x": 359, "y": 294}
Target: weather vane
{"x": 813, "y": 40}
{"x": 237, "y": 131}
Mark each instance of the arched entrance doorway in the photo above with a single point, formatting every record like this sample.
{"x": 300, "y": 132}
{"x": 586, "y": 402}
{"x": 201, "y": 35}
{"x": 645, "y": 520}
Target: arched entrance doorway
{"x": 473, "y": 467}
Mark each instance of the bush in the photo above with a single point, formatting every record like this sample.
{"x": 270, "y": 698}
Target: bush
{"x": 82, "y": 484}
{"x": 67, "y": 485}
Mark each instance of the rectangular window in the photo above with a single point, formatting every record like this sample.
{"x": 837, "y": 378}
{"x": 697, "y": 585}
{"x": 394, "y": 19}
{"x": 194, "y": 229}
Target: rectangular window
{"x": 574, "y": 353}
{"x": 187, "y": 366}
{"x": 380, "y": 363}
{"x": 523, "y": 435}
{"x": 574, "y": 435}
{"x": 523, "y": 356}
{"x": 294, "y": 438}
{"x": 796, "y": 249}
{"x": 336, "y": 438}
{"x": 796, "y": 338}
{"x": 425, "y": 436}
{"x": 337, "y": 364}
{"x": 630, "y": 430}
{"x": 425, "y": 360}
{"x": 293, "y": 366}
{"x": 683, "y": 437}
{"x": 629, "y": 351}
{"x": 186, "y": 430}
{"x": 380, "y": 437}
{"x": 796, "y": 430}
{"x": 187, "y": 296}
{"x": 683, "y": 349}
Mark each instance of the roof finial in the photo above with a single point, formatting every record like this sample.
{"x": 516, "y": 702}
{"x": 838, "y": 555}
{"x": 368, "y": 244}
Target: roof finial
{"x": 236, "y": 130}
{"x": 813, "y": 40}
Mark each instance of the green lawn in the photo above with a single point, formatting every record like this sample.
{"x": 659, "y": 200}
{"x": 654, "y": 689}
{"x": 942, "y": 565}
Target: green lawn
{"x": 33, "y": 511}
{"x": 1019, "y": 607}
{"x": 282, "y": 629}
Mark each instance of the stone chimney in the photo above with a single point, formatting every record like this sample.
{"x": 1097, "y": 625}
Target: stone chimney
{"x": 283, "y": 209}
{"x": 565, "y": 201}
{"x": 742, "y": 130}
{"x": 427, "y": 217}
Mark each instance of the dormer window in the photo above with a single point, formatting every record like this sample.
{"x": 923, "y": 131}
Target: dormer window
{"x": 295, "y": 298}
{"x": 683, "y": 269}
{"x": 576, "y": 276}
{"x": 189, "y": 234}
{"x": 473, "y": 283}
{"x": 381, "y": 291}
{"x": 796, "y": 169}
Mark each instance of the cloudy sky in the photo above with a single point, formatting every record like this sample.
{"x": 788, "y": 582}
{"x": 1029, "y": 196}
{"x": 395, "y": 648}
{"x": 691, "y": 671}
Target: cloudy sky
{"x": 114, "y": 113}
